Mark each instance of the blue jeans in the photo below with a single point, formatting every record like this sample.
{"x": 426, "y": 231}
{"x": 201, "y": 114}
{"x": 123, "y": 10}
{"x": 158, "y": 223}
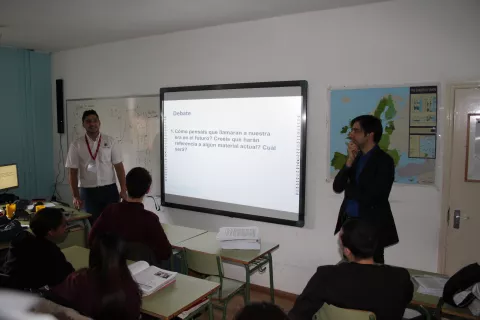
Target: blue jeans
{"x": 96, "y": 199}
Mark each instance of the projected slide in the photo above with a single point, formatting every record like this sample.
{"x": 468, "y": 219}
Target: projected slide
{"x": 235, "y": 152}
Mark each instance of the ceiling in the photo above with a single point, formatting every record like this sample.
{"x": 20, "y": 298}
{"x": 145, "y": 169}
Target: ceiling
{"x": 55, "y": 25}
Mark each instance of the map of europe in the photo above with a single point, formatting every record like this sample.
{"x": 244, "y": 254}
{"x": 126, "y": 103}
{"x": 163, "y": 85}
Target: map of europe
{"x": 392, "y": 106}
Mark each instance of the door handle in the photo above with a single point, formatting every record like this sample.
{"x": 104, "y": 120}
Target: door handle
{"x": 457, "y": 216}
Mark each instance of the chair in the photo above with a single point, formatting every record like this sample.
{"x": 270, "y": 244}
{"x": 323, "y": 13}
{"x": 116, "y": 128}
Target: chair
{"x": 211, "y": 266}
{"x": 330, "y": 312}
{"x": 137, "y": 251}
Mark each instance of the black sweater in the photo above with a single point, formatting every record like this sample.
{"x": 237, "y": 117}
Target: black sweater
{"x": 34, "y": 262}
{"x": 381, "y": 289}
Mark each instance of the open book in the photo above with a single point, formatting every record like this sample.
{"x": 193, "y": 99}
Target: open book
{"x": 150, "y": 278}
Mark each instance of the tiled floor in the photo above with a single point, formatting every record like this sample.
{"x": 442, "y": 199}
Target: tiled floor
{"x": 237, "y": 303}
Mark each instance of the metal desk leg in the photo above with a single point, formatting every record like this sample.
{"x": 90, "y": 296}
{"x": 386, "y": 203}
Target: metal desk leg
{"x": 270, "y": 271}
{"x": 210, "y": 308}
{"x": 247, "y": 283}
{"x": 86, "y": 227}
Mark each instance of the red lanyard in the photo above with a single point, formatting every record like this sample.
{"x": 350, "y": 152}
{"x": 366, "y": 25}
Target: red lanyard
{"x": 90, "y": 150}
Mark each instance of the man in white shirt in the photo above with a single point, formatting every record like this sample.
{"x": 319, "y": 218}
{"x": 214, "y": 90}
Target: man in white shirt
{"x": 91, "y": 161}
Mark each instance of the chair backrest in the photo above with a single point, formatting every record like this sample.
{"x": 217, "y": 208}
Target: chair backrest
{"x": 136, "y": 251}
{"x": 330, "y": 312}
{"x": 204, "y": 263}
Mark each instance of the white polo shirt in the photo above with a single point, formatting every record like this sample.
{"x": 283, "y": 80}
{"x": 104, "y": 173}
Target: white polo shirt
{"x": 109, "y": 153}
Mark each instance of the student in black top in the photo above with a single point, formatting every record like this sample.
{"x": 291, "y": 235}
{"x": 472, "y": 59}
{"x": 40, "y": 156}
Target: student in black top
{"x": 367, "y": 179}
{"x": 34, "y": 260}
{"x": 358, "y": 284}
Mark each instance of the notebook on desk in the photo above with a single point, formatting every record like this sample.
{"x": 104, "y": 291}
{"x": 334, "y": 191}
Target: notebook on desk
{"x": 243, "y": 238}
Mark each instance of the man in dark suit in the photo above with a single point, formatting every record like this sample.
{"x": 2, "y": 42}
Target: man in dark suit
{"x": 367, "y": 179}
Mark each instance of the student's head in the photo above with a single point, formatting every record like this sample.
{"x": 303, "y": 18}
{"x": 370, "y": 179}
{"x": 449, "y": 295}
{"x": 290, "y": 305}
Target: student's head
{"x": 90, "y": 121}
{"x": 107, "y": 251}
{"x": 366, "y": 129}
{"x": 358, "y": 240}
{"x": 108, "y": 264}
{"x": 49, "y": 223}
{"x": 139, "y": 181}
{"x": 261, "y": 311}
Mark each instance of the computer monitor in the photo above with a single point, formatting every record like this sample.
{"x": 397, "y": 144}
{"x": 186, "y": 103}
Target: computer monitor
{"x": 8, "y": 176}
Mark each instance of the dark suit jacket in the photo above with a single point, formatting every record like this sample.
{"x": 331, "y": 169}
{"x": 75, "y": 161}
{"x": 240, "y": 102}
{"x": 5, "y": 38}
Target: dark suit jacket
{"x": 381, "y": 289}
{"x": 371, "y": 193}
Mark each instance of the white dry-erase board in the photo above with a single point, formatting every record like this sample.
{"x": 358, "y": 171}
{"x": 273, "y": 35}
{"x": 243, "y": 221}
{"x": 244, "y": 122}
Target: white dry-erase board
{"x": 134, "y": 121}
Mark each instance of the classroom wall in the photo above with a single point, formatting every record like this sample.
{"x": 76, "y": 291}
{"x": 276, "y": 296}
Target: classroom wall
{"x": 26, "y": 120}
{"x": 390, "y": 43}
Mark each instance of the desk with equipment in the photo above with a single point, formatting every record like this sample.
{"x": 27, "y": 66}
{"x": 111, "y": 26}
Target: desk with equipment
{"x": 78, "y": 224}
{"x": 169, "y": 301}
{"x": 430, "y": 301}
{"x": 20, "y": 209}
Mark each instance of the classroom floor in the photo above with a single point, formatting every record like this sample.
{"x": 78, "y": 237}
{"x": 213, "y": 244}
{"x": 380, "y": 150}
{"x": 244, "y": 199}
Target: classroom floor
{"x": 237, "y": 303}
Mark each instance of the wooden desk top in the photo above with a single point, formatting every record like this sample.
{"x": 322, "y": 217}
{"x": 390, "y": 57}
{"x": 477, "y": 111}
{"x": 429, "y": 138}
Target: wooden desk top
{"x": 208, "y": 243}
{"x": 177, "y": 234}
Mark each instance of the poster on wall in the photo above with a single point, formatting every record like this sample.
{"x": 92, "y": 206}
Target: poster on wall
{"x": 409, "y": 118}
{"x": 423, "y": 122}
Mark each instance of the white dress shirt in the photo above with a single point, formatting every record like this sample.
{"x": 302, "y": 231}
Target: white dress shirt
{"x": 102, "y": 173}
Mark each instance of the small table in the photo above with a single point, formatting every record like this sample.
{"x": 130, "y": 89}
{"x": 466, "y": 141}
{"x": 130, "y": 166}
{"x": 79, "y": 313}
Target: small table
{"x": 432, "y": 301}
{"x": 73, "y": 215}
{"x": 166, "y": 303}
{"x": 177, "y": 234}
{"x": 251, "y": 260}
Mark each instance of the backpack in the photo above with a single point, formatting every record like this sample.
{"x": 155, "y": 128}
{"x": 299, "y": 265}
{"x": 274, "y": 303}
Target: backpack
{"x": 461, "y": 281}
{"x": 9, "y": 229}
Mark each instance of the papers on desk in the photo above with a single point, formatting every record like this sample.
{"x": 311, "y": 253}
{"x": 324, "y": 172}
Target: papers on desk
{"x": 46, "y": 204}
{"x": 430, "y": 292}
{"x": 242, "y": 238}
{"x": 186, "y": 313}
{"x": 430, "y": 285}
{"x": 150, "y": 279}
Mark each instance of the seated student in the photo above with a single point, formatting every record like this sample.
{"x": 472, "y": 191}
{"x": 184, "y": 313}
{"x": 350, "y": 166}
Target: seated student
{"x": 359, "y": 283}
{"x": 34, "y": 260}
{"x": 129, "y": 220}
{"x": 106, "y": 290}
{"x": 261, "y": 311}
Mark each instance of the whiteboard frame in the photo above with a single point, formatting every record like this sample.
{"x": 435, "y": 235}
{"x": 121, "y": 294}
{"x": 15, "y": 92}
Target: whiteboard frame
{"x": 103, "y": 98}
{"x": 303, "y": 85}
{"x": 328, "y": 113}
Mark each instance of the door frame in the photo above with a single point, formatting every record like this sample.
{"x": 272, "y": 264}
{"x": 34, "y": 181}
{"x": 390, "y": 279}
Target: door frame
{"x": 448, "y": 121}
